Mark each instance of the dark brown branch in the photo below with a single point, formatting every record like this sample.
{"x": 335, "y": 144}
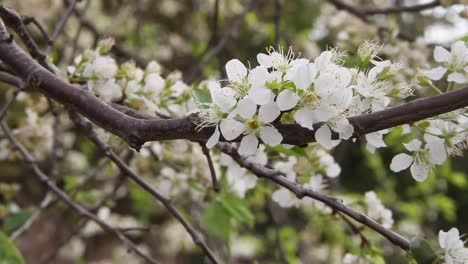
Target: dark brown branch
{"x": 138, "y": 131}
{"x": 401, "y": 9}
{"x": 301, "y": 192}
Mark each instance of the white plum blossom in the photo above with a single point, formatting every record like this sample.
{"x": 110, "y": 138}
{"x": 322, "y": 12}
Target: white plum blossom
{"x": 377, "y": 211}
{"x": 455, "y": 252}
{"x": 455, "y": 63}
{"x": 423, "y": 159}
{"x": 375, "y": 140}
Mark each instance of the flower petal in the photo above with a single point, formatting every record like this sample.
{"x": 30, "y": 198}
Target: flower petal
{"x": 246, "y": 108}
{"x": 231, "y": 128}
{"x": 419, "y": 171}
{"x": 375, "y": 139}
{"x": 456, "y": 77}
{"x": 261, "y": 95}
{"x": 436, "y": 73}
{"x": 323, "y": 137}
{"x": 214, "y": 139}
{"x": 413, "y": 145}
{"x": 248, "y": 145}
{"x": 268, "y": 112}
{"x": 305, "y": 117}
{"x": 401, "y": 162}
{"x": 287, "y": 99}
{"x": 270, "y": 135}
{"x": 437, "y": 152}
{"x": 235, "y": 70}
{"x": 264, "y": 60}
{"x": 258, "y": 76}
{"x": 441, "y": 54}
{"x": 224, "y": 98}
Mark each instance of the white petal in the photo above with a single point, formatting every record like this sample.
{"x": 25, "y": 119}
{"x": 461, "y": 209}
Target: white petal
{"x": 441, "y": 54}
{"x": 305, "y": 117}
{"x": 264, "y": 60}
{"x": 401, "y": 162}
{"x": 304, "y": 76}
{"x": 419, "y": 171}
{"x": 261, "y": 95}
{"x": 231, "y": 128}
{"x": 333, "y": 170}
{"x": 246, "y": 108}
{"x": 456, "y": 77}
{"x": 376, "y": 140}
{"x": 270, "y": 135}
{"x": 222, "y": 97}
{"x": 437, "y": 152}
{"x": 413, "y": 145}
{"x": 235, "y": 70}
{"x": 248, "y": 145}
{"x": 323, "y": 137}
{"x": 258, "y": 76}
{"x": 287, "y": 99}
{"x": 436, "y": 73}
{"x": 344, "y": 128}
{"x": 269, "y": 112}
{"x": 213, "y": 139}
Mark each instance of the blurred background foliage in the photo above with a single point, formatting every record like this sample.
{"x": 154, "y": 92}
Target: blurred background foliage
{"x": 180, "y": 35}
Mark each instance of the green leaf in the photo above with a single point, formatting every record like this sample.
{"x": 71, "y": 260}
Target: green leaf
{"x": 217, "y": 220}
{"x": 422, "y": 252}
{"x": 9, "y": 254}
{"x": 16, "y": 221}
{"x": 295, "y": 151}
{"x": 201, "y": 95}
{"x": 237, "y": 207}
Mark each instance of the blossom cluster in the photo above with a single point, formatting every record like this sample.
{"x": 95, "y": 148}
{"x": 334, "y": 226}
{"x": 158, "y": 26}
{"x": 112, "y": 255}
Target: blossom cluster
{"x": 144, "y": 90}
{"x": 288, "y": 89}
{"x": 453, "y": 246}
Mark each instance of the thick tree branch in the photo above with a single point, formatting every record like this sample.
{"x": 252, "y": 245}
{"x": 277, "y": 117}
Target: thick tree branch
{"x": 137, "y": 131}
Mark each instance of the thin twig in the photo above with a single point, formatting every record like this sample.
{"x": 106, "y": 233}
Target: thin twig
{"x": 29, "y": 159}
{"x": 60, "y": 25}
{"x": 212, "y": 54}
{"x": 214, "y": 180}
{"x": 301, "y": 192}
{"x": 86, "y": 128}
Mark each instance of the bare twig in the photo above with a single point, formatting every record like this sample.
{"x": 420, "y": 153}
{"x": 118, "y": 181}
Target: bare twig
{"x": 61, "y": 24}
{"x": 212, "y": 54}
{"x": 86, "y": 128}
{"x": 29, "y": 159}
{"x": 214, "y": 180}
{"x": 300, "y": 192}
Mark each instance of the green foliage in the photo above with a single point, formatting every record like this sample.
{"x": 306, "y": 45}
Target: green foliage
{"x": 9, "y": 254}
{"x": 220, "y": 213}
{"x": 15, "y": 221}
{"x": 422, "y": 252}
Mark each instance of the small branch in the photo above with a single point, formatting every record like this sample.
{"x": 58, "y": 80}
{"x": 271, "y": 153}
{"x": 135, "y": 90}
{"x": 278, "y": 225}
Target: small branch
{"x": 301, "y": 192}
{"x": 212, "y": 54}
{"x": 86, "y": 128}
{"x": 401, "y": 9}
{"x": 61, "y": 24}
{"x": 32, "y": 20}
{"x": 29, "y": 159}
{"x": 356, "y": 230}
{"x": 214, "y": 180}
